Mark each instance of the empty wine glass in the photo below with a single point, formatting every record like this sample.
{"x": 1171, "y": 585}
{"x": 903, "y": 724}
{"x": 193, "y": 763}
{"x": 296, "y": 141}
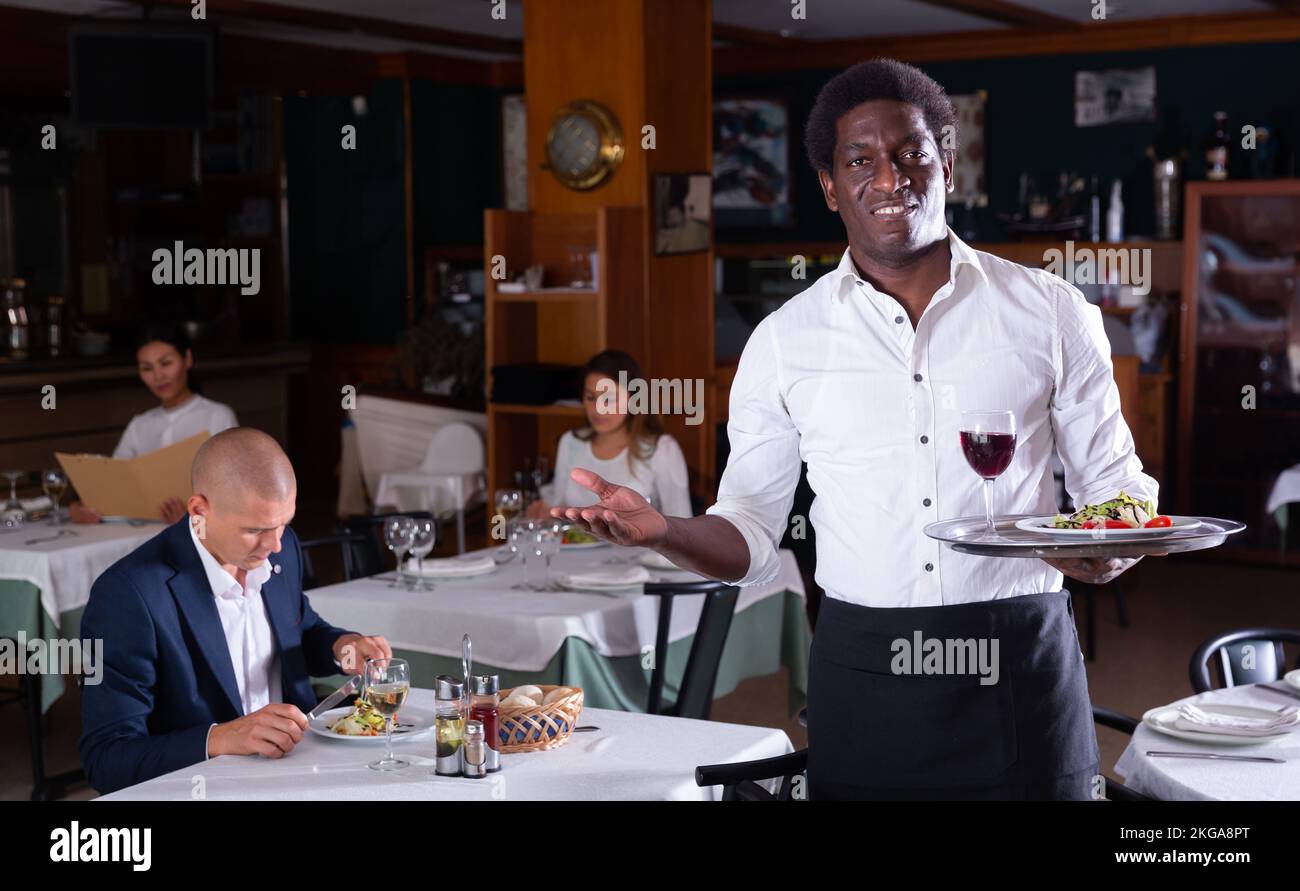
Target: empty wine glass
{"x": 12, "y": 514}
{"x": 55, "y": 483}
{"x": 397, "y": 535}
{"x": 988, "y": 440}
{"x": 388, "y": 681}
{"x": 546, "y": 544}
{"x": 509, "y": 504}
{"x": 424, "y": 535}
{"x": 522, "y": 532}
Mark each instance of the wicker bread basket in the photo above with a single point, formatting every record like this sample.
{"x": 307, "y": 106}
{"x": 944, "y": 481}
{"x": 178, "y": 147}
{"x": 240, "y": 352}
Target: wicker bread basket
{"x": 534, "y": 728}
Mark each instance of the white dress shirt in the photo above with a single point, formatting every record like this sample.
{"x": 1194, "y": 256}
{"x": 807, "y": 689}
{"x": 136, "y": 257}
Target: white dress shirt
{"x": 249, "y": 638}
{"x": 662, "y": 476}
{"x": 159, "y": 427}
{"x": 837, "y": 377}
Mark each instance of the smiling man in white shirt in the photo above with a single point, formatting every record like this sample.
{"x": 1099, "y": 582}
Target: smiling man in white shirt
{"x": 864, "y": 376}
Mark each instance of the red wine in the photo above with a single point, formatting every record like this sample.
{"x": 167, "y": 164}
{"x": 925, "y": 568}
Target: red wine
{"x": 988, "y": 454}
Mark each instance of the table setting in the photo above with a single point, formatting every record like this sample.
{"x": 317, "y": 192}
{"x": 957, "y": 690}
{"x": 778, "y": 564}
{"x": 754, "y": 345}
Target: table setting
{"x": 626, "y": 756}
{"x": 574, "y": 615}
{"x": 1237, "y": 743}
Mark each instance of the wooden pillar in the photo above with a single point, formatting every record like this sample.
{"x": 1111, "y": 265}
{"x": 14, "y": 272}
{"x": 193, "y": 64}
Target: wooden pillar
{"x": 650, "y": 63}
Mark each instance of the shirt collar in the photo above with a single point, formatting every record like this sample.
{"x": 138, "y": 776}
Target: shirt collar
{"x": 222, "y": 583}
{"x": 845, "y": 276}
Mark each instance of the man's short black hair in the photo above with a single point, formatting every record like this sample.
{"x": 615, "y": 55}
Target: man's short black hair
{"x": 864, "y": 82}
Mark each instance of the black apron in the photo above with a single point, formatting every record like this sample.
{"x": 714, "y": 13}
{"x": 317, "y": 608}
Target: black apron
{"x": 877, "y": 733}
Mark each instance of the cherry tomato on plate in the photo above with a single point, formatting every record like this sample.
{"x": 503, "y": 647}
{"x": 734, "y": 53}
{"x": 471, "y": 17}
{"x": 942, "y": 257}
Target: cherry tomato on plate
{"x": 1158, "y": 522}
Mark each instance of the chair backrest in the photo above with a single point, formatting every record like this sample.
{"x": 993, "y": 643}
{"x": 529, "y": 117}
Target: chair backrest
{"x": 455, "y": 448}
{"x": 348, "y": 545}
{"x": 695, "y": 693}
{"x": 370, "y": 554}
{"x": 1245, "y": 656}
{"x": 740, "y": 780}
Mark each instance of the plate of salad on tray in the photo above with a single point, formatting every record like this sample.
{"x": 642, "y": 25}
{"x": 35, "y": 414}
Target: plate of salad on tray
{"x": 1120, "y": 517}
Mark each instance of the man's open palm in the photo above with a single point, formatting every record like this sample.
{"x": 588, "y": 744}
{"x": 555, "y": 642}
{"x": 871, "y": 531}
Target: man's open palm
{"x": 621, "y": 516}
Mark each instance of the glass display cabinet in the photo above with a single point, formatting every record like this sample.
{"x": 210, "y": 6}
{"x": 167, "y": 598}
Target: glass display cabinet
{"x": 1239, "y": 356}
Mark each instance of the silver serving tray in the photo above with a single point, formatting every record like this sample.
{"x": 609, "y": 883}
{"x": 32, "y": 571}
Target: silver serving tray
{"x": 963, "y": 535}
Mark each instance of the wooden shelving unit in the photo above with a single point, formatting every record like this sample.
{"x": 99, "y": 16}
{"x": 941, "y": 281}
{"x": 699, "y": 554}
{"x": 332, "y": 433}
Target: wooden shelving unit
{"x": 556, "y": 326}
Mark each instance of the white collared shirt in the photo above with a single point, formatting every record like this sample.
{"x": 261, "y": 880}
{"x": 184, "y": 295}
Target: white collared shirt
{"x": 247, "y": 628}
{"x": 159, "y": 427}
{"x": 837, "y": 377}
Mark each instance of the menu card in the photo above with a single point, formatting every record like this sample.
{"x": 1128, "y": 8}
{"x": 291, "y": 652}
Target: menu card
{"x": 133, "y": 487}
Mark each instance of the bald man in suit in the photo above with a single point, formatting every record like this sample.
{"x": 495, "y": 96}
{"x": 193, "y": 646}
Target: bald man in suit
{"x": 209, "y": 641}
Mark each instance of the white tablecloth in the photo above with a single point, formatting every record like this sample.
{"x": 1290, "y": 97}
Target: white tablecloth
{"x": 64, "y": 568}
{"x": 523, "y": 630}
{"x": 1199, "y": 779}
{"x": 1286, "y": 489}
{"x": 631, "y": 757}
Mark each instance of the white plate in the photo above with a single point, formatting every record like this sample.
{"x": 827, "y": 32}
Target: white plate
{"x": 1043, "y": 526}
{"x": 1162, "y": 720}
{"x": 1293, "y": 678}
{"x": 600, "y": 589}
{"x": 422, "y": 719}
{"x": 583, "y": 545}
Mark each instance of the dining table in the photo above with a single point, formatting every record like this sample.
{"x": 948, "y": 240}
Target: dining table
{"x": 628, "y": 757}
{"x": 1210, "y": 779}
{"x": 600, "y": 641}
{"x": 46, "y": 572}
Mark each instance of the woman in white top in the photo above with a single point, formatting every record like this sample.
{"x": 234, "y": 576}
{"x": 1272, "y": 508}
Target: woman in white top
{"x": 628, "y": 449}
{"x": 164, "y": 361}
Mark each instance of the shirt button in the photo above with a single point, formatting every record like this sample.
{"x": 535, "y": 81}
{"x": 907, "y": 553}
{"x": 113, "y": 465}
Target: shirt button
{"x": 929, "y": 567}
{"x": 898, "y": 320}
{"x": 924, "y": 440}
{"x": 926, "y": 502}
{"x": 917, "y": 377}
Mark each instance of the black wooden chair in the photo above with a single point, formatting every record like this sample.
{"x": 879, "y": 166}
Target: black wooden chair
{"x": 371, "y": 556}
{"x": 695, "y": 694}
{"x": 740, "y": 781}
{"x": 1227, "y": 652}
{"x": 349, "y": 545}
{"x": 1124, "y": 724}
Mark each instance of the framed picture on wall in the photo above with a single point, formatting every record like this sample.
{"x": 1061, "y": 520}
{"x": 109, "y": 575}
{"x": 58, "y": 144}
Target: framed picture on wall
{"x": 968, "y": 180}
{"x": 751, "y": 162}
{"x": 514, "y": 151}
{"x": 1114, "y": 96}
{"x": 682, "y": 210}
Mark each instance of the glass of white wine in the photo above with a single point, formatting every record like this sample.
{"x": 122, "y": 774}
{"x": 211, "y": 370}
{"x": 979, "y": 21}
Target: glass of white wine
{"x": 55, "y": 483}
{"x": 388, "y": 681}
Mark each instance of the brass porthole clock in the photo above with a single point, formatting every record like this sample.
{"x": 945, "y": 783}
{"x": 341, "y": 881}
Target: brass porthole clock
{"x": 584, "y": 145}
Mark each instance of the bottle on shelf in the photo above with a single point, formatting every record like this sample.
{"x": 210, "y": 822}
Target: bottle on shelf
{"x": 1217, "y": 154}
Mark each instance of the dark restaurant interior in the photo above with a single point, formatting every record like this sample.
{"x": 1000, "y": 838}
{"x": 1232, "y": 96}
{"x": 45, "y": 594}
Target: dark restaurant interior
{"x": 398, "y": 236}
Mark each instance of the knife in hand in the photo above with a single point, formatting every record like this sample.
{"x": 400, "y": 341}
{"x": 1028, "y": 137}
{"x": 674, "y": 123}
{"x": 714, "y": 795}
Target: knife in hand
{"x": 352, "y": 686}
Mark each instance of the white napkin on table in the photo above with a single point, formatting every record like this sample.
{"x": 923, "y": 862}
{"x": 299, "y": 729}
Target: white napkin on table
{"x": 32, "y": 505}
{"x": 1192, "y": 718}
{"x": 445, "y": 566}
{"x": 607, "y": 578}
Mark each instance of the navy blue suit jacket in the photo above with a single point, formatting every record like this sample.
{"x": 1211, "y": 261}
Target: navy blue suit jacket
{"x": 167, "y": 673}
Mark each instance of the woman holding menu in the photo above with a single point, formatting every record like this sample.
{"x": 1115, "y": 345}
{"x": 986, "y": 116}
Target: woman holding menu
{"x": 164, "y": 360}
{"x": 865, "y": 376}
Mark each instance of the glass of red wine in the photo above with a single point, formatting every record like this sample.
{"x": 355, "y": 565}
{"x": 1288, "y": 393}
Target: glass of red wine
{"x": 988, "y": 440}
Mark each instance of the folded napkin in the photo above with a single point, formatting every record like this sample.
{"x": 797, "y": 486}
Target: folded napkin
{"x": 40, "y": 502}
{"x": 1192, "y": 718}
{"x": 451, "y": 566}
{"x": 607, "y": 578}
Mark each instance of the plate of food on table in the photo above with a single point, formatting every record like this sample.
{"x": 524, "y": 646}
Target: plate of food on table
{"x": 360, "y": 722}
{"x": 576, "y": 539}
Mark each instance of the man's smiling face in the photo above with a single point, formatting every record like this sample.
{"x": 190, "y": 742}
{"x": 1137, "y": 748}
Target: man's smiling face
{"x": 888, "y": 180}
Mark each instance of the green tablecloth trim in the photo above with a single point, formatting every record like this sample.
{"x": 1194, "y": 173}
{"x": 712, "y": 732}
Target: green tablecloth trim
{"x": 20, "y": 609}
{"x": 754, "y": 648}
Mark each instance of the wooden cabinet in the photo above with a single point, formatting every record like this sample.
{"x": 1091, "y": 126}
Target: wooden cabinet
{"x": 1239, "y": 353}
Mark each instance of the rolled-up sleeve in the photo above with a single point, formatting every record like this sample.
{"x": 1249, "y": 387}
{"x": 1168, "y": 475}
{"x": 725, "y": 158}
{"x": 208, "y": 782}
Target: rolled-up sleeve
{"x": 1092, "y": 437}
{"x": 757, "y": 488}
